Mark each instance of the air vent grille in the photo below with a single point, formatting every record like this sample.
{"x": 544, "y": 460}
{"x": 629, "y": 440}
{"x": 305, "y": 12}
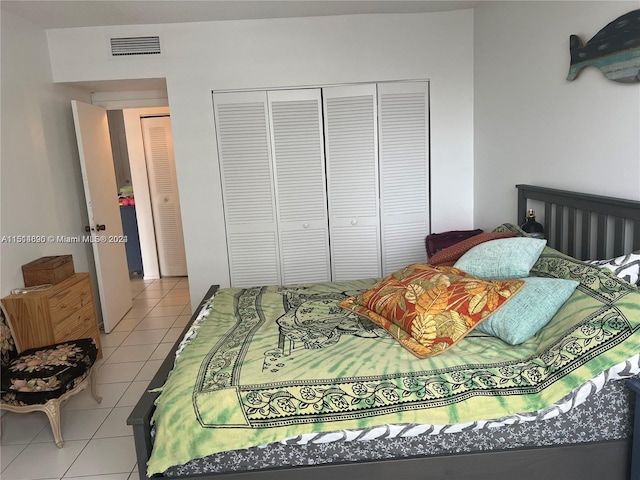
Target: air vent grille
{"x": 125, "y": 46}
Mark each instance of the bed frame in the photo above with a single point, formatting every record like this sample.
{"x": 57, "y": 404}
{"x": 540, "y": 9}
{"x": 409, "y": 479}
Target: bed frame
{"x": 575, "y": 223}
{"x": 584, "y": 226}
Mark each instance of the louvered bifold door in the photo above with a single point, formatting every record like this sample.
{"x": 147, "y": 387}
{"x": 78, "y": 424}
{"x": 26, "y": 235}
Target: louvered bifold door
{"x": 403, "y": 110}
{"x": 352, "y": 180}
{"x": 242, "y": 129}
{"x": 163, "y": 189}
{"x": 298, "y": 165}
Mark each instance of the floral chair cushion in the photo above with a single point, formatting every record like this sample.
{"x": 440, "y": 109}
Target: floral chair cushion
{"x": 7, "y": 344}
{"x": 40, "y": 374}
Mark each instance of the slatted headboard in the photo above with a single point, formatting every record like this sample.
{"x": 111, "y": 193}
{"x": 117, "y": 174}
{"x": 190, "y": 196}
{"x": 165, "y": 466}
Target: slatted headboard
{"x": 582, "y": 225}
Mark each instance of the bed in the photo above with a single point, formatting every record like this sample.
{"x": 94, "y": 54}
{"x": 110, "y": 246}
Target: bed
{"x": 573, "y": 423}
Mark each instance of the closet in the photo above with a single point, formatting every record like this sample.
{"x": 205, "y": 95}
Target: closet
{"x": 323, "y": 184}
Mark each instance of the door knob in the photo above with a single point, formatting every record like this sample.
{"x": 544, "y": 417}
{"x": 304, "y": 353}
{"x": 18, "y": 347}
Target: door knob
{"x": 99, "y": 227}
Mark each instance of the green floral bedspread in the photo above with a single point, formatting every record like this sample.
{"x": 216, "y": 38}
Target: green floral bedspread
{"x": 274, "y": 362}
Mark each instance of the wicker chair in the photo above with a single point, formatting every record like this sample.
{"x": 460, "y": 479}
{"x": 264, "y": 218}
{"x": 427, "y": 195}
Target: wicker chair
{"x": 41, "y": 379}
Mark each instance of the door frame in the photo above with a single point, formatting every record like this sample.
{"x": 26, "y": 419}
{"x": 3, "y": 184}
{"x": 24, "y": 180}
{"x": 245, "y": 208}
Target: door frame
{"x": 140, "y": 182}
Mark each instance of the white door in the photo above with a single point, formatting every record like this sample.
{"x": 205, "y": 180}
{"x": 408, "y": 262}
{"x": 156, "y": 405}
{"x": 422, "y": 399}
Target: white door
{"x": 298, "y": 166}
{"x": 403, "y": 110}
{"x": 165, "y": 201}
{"x": 101, "y": 194}
{"x": 242, "y": 129}
{"x": 351, "y": 143}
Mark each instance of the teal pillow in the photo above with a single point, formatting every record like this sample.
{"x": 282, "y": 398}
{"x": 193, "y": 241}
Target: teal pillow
{"x": 502, "y": 259}
{"x": 529, "y": 310}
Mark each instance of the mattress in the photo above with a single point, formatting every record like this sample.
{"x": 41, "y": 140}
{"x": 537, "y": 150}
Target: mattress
{"x": 556, "y": 389}
{"x": 605, "y": 415}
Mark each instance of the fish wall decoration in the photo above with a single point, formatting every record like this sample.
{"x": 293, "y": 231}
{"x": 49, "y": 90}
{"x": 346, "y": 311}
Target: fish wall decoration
{"x": 615, "y": 50}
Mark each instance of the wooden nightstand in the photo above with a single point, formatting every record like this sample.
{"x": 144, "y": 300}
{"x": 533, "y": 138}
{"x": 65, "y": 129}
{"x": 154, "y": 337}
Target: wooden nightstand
{"x": 66, "y": 311}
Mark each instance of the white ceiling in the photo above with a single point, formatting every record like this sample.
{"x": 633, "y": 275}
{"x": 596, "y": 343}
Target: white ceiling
{"x": 91, "y": 13}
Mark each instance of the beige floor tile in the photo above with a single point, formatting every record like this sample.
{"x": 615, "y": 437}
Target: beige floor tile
{"x": 145, "y": 337}
{"x": 22, "y": 428}
{"x": 111, "y": 394}
{"x": 148, "y": 371}
{"x": 166, "y": 311}
{"x": 115, "y": 424}
{"x": 126, "y": 324}
{"x": 173, "y": 301}
{"x": 131, "y": 353}
{"x": 118, "y": 372}
{"x": 144, "y": 303}
{"x": 105, "y": 456}
{"x": 77, "y": 425}
{"x": 173, "y": 335}
{"x": 179, "y": 290}
{"x": 154, "y": 323}
{"x": 138, "y": 312}
{"x": 151, "y": 294}
{"x": 9, "y": 453}
{"x": 52, "y": 462}
{"x": 182, "y": 321}
{"x": 160, "y": 287}
{"x": 161, "y": 351}
{"x": 133, "y": 393}
{"x": 112, "y": 339}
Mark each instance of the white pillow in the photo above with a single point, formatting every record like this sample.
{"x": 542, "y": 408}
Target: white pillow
{"x": 626, "y": 267}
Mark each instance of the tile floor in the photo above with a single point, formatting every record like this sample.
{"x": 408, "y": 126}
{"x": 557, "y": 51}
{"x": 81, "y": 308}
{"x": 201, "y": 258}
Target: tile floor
{"x": 98, "y": 442}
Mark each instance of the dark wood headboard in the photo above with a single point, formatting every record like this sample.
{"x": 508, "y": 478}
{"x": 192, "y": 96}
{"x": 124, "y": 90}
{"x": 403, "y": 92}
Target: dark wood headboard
{"x": 582, "y": 225}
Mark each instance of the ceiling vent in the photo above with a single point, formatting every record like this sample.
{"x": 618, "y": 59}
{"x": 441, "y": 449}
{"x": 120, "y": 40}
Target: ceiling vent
{"x": 127, "y": 46}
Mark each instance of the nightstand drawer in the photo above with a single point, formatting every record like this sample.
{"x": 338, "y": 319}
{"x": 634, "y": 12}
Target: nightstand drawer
{"x": 65, "y": 311}
{"x": 70, "y": 301}
{"x": 76, "y": 324}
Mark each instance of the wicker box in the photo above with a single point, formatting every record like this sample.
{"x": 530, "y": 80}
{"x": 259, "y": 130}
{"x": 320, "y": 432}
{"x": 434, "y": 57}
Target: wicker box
{"x": 51, "y": 270}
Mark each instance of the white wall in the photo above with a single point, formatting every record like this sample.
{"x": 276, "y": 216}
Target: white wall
{"x": 531, "y": 125}
{"x": 41, "y": 185}
{"x": 201, "y": 57}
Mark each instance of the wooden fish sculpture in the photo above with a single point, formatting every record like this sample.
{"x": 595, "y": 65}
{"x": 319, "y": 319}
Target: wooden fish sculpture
{"x": 615, "y": 50}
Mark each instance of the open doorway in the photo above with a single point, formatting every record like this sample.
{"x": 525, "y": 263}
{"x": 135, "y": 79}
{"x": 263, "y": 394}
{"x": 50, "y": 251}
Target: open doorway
{"x": 136, "y": 98}
{"x": 144, "y": 163}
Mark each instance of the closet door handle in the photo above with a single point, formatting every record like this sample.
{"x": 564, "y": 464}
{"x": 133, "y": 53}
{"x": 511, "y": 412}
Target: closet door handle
{"x": 354, "y": 222}
{"x": 305, "y": 225}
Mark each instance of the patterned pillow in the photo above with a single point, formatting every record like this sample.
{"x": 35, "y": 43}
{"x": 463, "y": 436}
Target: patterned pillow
{"x": 429, "y": 309}
{"x": 502, "y": 259}
{"x": 450, "y": 255}
{"x": 530, "y": 310}
{"x": 626, "y": 267}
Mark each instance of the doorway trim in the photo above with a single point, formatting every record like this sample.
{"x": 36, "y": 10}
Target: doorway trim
{"x": 139, "y": 179}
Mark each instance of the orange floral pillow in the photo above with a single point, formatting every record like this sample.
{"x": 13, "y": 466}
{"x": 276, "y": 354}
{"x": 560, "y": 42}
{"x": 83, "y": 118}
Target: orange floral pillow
{"x": 429, "y": 309}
